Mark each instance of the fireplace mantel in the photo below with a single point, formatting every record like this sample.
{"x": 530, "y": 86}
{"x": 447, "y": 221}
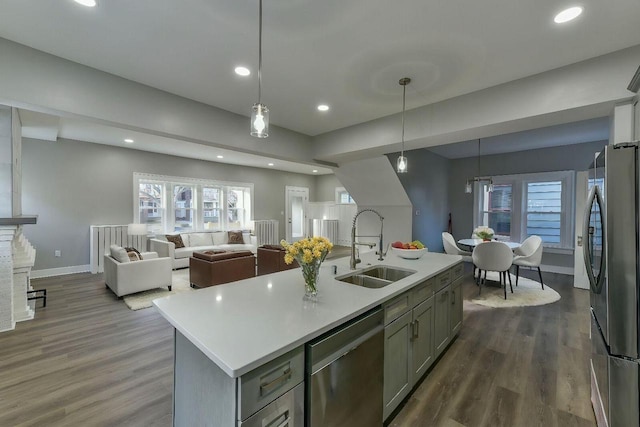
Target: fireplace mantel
{"x": 19, "y": 220}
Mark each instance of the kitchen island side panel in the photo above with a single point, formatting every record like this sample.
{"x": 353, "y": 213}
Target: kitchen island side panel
{"x": 204, "y": 395}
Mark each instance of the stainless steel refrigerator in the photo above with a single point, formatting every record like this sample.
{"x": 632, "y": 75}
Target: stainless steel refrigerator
{"x": 611, "y": 256}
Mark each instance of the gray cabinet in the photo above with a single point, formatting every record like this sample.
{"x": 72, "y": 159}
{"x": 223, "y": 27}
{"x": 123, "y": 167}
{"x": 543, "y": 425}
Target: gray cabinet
{"x": 456, "y": 307}
{"x": 441, "y": 325}
{"x": 420, "y": 323}
{"x": 204, "y": 395}
{"x": 422, "y": 339}
{"x": 397, "y": 353}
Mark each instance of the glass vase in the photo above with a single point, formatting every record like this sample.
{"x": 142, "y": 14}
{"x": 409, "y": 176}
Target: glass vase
{"x": 311, "y": 273}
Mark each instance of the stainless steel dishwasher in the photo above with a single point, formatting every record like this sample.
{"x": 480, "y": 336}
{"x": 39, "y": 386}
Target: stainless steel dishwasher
{"x": 344, "y": 374}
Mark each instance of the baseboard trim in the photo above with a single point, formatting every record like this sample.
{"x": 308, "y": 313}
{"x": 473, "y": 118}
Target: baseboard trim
{"x": 557, "y": 269}
{"x": 60, "y": 271}
{"x": 9, "y": 329}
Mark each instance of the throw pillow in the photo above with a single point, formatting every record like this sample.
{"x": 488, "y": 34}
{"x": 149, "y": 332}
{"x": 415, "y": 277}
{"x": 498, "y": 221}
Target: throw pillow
{"x": 235, "y": 238}
{"x": 118, "y": 253}
{"x": 133, "y": 254}
{"x": 176, "y": 239}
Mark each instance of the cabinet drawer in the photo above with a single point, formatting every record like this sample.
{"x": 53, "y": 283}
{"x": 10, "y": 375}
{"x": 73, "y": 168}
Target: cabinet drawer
{"x": 268, "y": 382}
{"x": 443, "y": 280}
{"x": 457, "y": 271}
{"x": 396, "y": 307}
{"x": 286, "y": 410}
{"x": 422, "y": 291}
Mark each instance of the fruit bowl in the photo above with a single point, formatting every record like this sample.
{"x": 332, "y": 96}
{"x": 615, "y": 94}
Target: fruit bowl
{"x": 410, "y": 253}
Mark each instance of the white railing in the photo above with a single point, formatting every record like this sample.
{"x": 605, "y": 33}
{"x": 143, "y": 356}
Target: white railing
{"x": 266, "y": 231}
{"x": 103, "y": 236}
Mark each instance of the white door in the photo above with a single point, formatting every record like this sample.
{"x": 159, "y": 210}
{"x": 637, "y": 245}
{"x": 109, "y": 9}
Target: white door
{"x": 296, "y": 200}
{"x": 580, "y": 278}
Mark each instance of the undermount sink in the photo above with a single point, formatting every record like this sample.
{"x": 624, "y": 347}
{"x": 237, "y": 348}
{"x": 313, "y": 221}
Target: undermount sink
{"x": 375, "y": 277}
{"x": 385, "y": 272}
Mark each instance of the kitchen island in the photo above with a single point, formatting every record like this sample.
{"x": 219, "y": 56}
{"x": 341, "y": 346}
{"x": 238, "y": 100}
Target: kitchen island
{"x": 227, "y": 336}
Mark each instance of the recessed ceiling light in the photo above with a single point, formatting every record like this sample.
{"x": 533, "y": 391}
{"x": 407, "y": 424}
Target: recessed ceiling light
{"x": 270, "y": 164}
{"x": 323, "y": 107}
{"x": 88, "y": 3}
{"x": 242, "y": 71}
{"x": 129, "y": 141}
{"x": 315, "y": 171}
{"x": 220, "y": 157}
{"x": 568, "y": 15}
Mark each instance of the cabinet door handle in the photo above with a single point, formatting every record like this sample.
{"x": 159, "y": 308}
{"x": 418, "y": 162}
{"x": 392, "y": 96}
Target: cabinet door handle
{"x": 453, "y": 297}
{"x": 417, "y": 322}
{"x": 268, "y": 387}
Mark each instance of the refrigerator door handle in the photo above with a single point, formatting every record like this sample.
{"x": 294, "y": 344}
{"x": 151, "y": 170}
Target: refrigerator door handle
{"x": 587, "y": 231}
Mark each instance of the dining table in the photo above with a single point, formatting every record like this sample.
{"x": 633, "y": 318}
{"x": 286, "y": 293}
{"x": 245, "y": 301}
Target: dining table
{"x": 472, "y": 243}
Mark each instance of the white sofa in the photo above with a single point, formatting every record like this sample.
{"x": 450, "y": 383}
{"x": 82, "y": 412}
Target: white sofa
{"x": 200, "y": 241}
{"x": 126, "y": 277}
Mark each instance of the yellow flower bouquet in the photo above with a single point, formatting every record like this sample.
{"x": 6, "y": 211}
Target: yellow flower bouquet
{"x": 310, "y": 252}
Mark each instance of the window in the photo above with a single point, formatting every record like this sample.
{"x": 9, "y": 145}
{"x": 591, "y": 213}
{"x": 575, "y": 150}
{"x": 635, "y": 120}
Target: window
{"x": 168, "y": 204}
{"x": 496, "y": 208}
{"x": 544, "y": 210}
{"x": 237, "y": 201}
{"x": 184, "y": 207}
{"x": 150, "y": 206}
{"x": 212, "y": 206}
{"x": 524, "y": 205}
{"x": 343, "y": 197}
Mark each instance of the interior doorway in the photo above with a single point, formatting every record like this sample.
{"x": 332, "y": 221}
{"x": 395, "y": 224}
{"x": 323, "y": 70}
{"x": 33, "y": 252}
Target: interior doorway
{"x": 296, "y": 200}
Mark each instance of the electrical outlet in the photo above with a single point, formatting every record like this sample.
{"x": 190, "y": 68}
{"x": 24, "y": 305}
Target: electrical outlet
{"x": 57, "y": 253}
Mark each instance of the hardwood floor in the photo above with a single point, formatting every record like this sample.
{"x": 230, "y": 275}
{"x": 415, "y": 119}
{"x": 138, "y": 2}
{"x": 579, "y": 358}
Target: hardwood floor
{"x": 87, "y": 360}
{"x": 511, "y": 367}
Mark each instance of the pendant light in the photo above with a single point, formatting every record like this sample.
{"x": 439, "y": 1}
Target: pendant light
{"x": 402, "y": 160}
{"x": 469, "y": 185}
{"x": 259, "y": 111}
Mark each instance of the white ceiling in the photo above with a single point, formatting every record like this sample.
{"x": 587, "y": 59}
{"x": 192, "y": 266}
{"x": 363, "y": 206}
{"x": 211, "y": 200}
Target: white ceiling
{"x": 49, "y": 128}
{"x": 348, "y": 54}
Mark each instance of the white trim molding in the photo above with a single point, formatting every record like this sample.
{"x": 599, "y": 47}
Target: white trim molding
{"x": 60, "y": 271}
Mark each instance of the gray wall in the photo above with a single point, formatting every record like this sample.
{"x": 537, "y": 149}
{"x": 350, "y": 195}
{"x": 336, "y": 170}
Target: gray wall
{"x": 326, "y": 188}
{"x": 72, "y": 185}
{"x": 427, "y": 186}
{"x": 6, "y": 162}
{"x": 576, "y": 157}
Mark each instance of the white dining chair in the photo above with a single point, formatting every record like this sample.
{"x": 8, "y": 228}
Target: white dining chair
{"x": 452, "y": 248}
{"x": 529, "y": 254}
{"x": 493, "y": 256}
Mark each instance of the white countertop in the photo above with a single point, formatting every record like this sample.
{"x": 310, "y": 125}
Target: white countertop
{"x": 244, "y": 324}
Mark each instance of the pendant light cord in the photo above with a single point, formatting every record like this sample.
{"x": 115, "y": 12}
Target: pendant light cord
{"x": 260, "y": 55}
{"x": 479, "y": 174}
{"x": 404, "y": 94}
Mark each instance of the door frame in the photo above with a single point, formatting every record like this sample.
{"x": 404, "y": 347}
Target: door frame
{"x": 290, "y": 190}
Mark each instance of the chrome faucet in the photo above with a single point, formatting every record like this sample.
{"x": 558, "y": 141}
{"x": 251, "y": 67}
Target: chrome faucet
{"x": 355, "y": 260}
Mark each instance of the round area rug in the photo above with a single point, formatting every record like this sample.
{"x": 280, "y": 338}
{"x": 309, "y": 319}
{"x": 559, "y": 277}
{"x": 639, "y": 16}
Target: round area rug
{"x": 140, "y": 300}
{"x": 527, "y": 293}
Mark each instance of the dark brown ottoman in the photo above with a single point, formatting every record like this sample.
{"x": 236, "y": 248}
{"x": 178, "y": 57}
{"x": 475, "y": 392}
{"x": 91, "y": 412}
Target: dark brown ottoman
{"x": 271, "y": 260}
{"x": 211, "y": 268}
